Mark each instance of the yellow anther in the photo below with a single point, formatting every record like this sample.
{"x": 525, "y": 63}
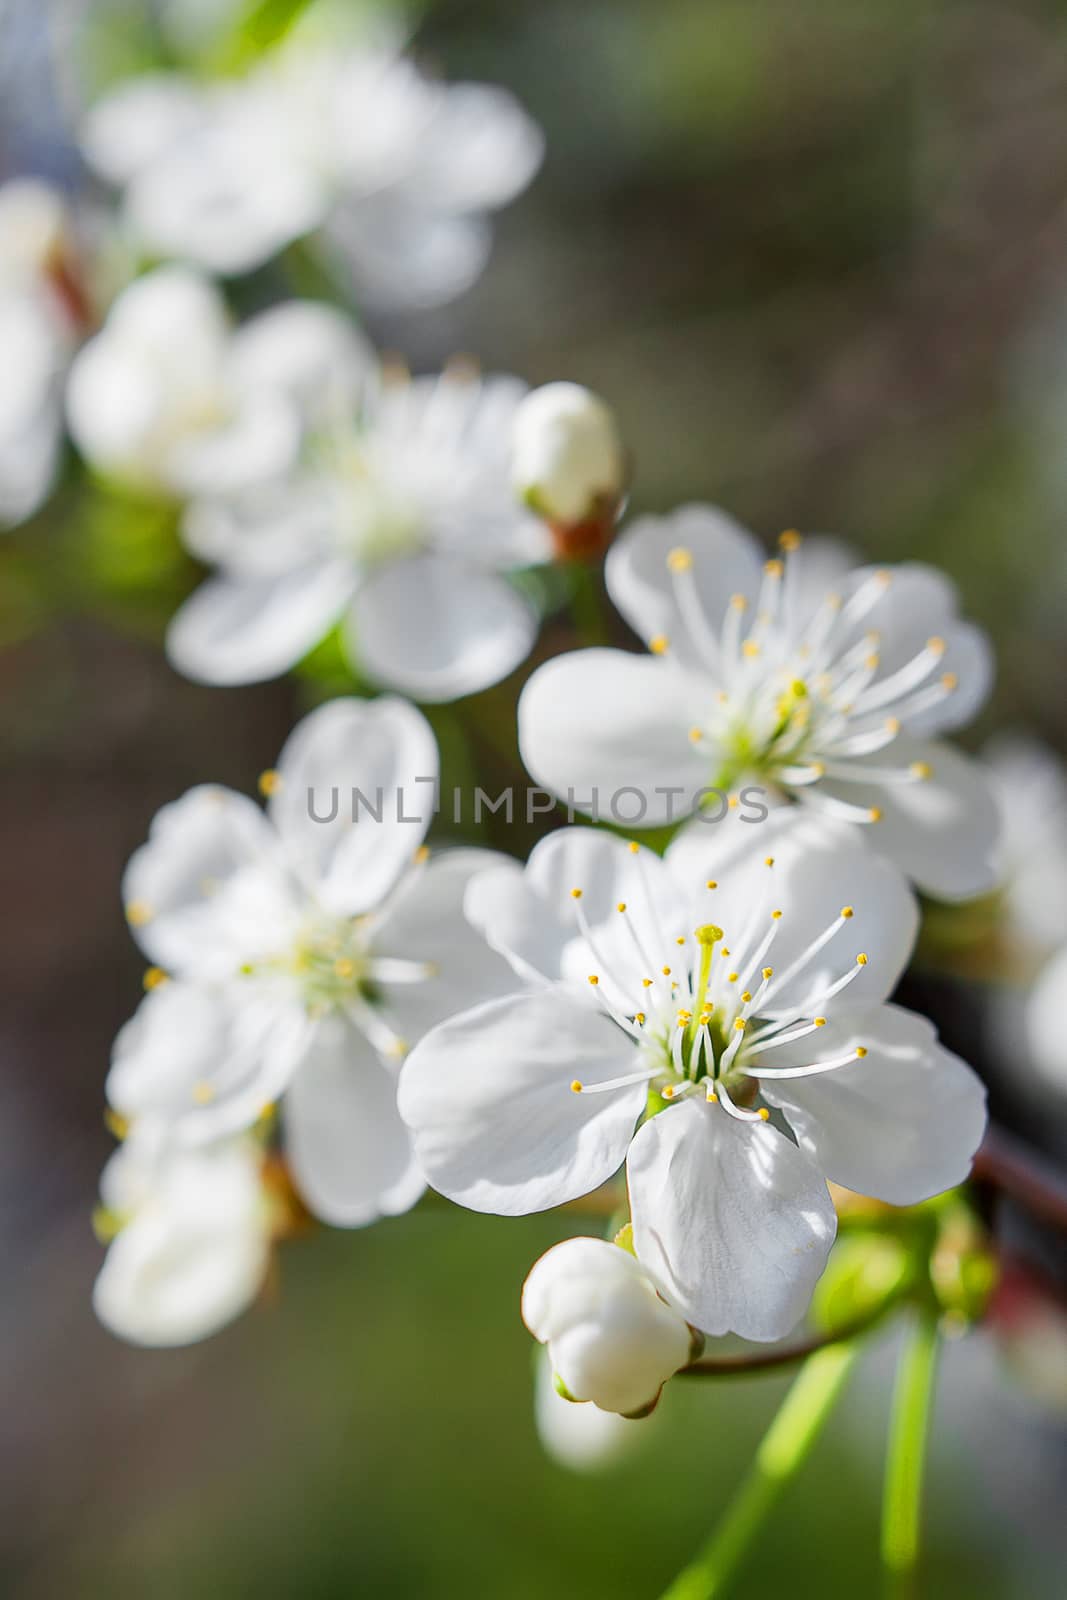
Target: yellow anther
{"x": 861, "y": 1050}
{"x": 722, "y": 697}
{"x": 576, "y": 894}
{"x": 269, "y": 782}
{"x": 936, "y": 645}
{"x": 732, "y": 977}
{"x": 154, "y": 977}
{"x": 861, "y": 959}
{"x": 949, "y": 680}
{"x": 739, "y": 1025}
{"x": 659, "y": 644}
{"x": 138, "y": 912}
{"x": 921, "y": 769}
{"x": 621, "y": 906}
{"x": 733, "y": 802}
{"x": 884, "y": 577}
{"x": 646, "y": 983}
{"x": 768, "y": 861}
{"x": 773, "y": 569}
{"x": 680, "y": 939}
{"x": 819, "y": 768}
{"x": 834, "y": 602}
{"x": 696, "y": 734}
{"x": 593, "y": 979}
{"x": 713, "y": 1097}
{"x": 871, "y": 662}
{"x": 746, "y": 996}
{"x": 750, "y": 648}
{"x": 639, "y": 1018}
{"x": 576, "y": 1085}
{"x": 768, "y": 972}
{"x": 680, "y": 559}
{"x": 874, "y": 814}
{"x": 789, "y": 540}
{"x": 820, "y": 1022}
{"x": 203, "y": 1092}
{"x": 776, "y": 916}
{"x": 738, "y": 602}
{"x": 763, "y": 1114}
{"x": 422, "y": 855}
{"x": 344, "y": 967}
{"x": 712, "y": 883}
{"x": 633, "y": 847}
{"x": 799, "y": 689}
{"x": 666, "y": 971}
{"x": 116, "y": 1124}
{"x": 892, "y": 724}
{"x": 847, "y": 912}
{"x": 685, "y": 1016}
{"x": 398, "y": 1048}
{"x": 724, "y": 952}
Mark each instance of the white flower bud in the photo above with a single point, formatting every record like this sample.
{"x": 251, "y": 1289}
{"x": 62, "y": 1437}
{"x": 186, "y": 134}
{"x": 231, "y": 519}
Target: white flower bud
{"x": 567, "y": 459}
{"x": 610, "y": 1337}
{"x": 581, "y": 1438}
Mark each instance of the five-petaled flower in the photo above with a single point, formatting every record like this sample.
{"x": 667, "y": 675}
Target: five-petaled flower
{"x": 717, "y": 1012}
{"x": 822, "y": 681}
{"x": 299, "y": 957}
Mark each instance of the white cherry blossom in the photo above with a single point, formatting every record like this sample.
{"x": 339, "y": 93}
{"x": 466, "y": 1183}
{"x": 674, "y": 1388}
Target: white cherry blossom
{"x": 298, "y": 958}
{"x": 823, "y": 682}
{"x": 192, "y": 1235}
{"x": 399, "y": 522}
{"x": 397, "y": 170}
{"x": 169, "y": 397}
{"x": 38, "y": 332}
{"x": 610, "y": 1337}
{"x": 717, "y": 1013}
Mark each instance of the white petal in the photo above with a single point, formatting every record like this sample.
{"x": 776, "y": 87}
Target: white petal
{"x": 194, "y": 1255}
{"x": 478, "y": 152}
{"x": 402, "y": 257}
{"x": 726, "y": 561}
{"x": 497, "y": 1126}
{"x": 436, "y": 630}
{"x": 258, "y": 441}
{"x": 731, "y": 1219}
{"x": 307, "y": 351}
{"x": 205, "y": 1061}
{"x": 942, "y": 831}
{"x": 350, "y": 1153}
{"x": 268, "y": 529}
{"x": 245, "y": 630}
{"x": 426, "y": 922}
{"x": 356, "y": 791}
{"x": 902, "y": 1124}
{"x": 1046, "y": 1034}
{"x": 198, "y": 892}
{"x": 607, "y": 723}
{"x": 134, "y": 124}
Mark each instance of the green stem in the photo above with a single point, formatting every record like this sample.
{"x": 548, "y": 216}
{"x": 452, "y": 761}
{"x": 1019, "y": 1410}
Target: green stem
{"x": 909, "y": 1425}
{"x": 785, "y": 1447}
{"x": 587, "y": 609}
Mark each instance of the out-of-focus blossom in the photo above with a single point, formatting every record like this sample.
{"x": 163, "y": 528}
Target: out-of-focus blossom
{"x": 1031, "y": 786}
{"x": 191, "y": 1239}
{"x": 644, "y": 1007}
{"x": 305, "y": 951}
{"x": 41, "y": 317}
{"x": 399, "y": 522}
{"x": 820, "y": 680}
{"x": 610, "y": 1337}
{"x": 1030, "y": 1326}
{"x": 397, "y": 170}
{"x": 168, "y": 397}
{"x": 569, "y": 465}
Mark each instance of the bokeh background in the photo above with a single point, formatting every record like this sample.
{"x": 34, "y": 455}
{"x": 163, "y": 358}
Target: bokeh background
{"x": 815, "y": 255}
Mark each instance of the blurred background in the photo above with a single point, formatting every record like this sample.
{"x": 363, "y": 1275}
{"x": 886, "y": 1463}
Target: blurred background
{"x": 816, "y": 258}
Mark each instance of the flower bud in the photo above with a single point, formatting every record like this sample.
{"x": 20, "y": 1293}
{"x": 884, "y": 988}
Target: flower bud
{"x": 581, "y": 1438}
{"x": 610, "y": 1337}
{"x": 568, "y": 465}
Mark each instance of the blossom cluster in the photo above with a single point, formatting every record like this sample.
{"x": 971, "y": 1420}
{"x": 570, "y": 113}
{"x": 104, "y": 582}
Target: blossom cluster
{"x": 338, "y": 1015}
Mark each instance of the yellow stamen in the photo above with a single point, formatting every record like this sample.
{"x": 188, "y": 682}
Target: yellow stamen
{"x": 154, "y": 977}
{"x": 861, "y": 1050}
{"x": 138, "y": 912}
{"x": 861, "y": 959}
{"x": 269, "y": 782}
{"x": 659, "y": 644}
{"x": 680, "y": 559}
{"x": 789, "y": 540}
